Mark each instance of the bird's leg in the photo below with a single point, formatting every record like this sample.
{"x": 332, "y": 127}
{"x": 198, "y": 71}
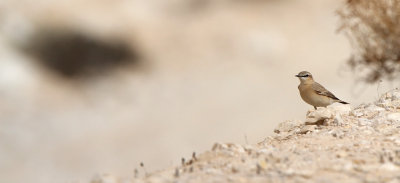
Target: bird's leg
{"x": 315, "y": 108}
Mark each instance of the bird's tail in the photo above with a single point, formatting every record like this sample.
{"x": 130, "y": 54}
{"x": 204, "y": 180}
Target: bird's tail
{"x": 343, "y": 102}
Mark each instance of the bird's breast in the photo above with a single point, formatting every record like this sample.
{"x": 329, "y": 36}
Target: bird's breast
{"x": 308, "y": 94}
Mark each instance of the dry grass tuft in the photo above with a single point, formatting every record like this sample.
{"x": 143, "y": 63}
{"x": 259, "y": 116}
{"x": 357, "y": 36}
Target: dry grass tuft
{"x": 373, "y": 28}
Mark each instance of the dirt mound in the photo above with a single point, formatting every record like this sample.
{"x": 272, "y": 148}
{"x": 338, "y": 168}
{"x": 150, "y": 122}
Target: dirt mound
{"x": 334, "y": 144}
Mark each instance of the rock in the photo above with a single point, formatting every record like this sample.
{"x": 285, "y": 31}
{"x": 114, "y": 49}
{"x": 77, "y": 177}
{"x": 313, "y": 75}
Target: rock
{"x": 287, "y": 126}
{"x": 373, "y": 107}
{"x": 338, "y": 120}
{"x": 305, "y": 129}
{"x": 339, "y": 108}
{"x": 322, "y": 113}
{"x": 395, "y": 94}
{"x": 357, "y": 113}
{"x": 337, "y": 133}
{"x": 363, "y": 122}
{"x": 394, "y": 116}
{"x": 319, "y": 115}
{"x": 341, "y": 154}
{"x": 389, "y": 167}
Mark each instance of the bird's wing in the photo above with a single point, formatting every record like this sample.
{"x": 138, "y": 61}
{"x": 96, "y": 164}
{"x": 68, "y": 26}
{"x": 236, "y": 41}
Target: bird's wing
{"x": 320, "y": 90}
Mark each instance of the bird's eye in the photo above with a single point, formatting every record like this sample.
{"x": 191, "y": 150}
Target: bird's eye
{"x": 306, "y": 75}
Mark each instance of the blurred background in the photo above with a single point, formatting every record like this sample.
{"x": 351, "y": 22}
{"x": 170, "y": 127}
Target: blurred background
{"x": 98, "y": 86}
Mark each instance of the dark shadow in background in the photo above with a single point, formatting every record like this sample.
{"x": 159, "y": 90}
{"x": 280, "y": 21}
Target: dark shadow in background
{"x": 74, "y": 55}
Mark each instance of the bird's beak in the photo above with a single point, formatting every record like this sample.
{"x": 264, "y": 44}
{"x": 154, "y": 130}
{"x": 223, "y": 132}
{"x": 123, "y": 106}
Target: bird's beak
{"x": 296, "y": 75}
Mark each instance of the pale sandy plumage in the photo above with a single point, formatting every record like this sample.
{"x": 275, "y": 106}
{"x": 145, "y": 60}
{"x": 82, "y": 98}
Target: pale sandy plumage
{"x": 313, "y": 93}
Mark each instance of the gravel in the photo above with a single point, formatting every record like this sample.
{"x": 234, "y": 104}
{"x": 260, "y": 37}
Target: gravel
{"x": 338, "y": 143}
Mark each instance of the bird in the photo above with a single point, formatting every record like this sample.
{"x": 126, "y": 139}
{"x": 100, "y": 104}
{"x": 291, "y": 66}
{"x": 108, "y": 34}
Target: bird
{"x": 313, "y": 93}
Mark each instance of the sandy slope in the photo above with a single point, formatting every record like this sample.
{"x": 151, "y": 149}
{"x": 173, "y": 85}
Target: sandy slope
{"x": 334, "y": 144}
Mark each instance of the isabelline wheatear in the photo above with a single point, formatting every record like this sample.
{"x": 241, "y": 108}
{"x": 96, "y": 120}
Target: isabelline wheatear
{"x": 313, "y": 93}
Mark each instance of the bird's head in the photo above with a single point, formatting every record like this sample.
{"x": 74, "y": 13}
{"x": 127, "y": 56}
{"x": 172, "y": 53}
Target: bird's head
{"x": 305, "y": 76}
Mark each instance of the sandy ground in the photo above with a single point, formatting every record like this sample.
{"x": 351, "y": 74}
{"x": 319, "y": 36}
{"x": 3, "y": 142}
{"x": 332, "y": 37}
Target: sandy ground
{"x": 218, "y": 72}
{"x": 334, "y": 144}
